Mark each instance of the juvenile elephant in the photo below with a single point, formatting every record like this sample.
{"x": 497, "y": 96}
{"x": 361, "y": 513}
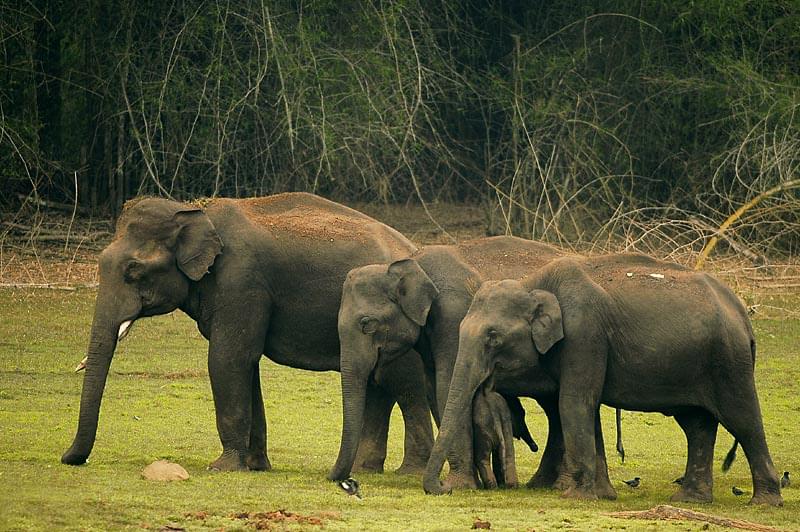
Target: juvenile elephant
{"x": 493, "y": 439}
{"x": 418, "y": 303}
{"x": 628, "y": 331}
{"x": 260, "y": 276}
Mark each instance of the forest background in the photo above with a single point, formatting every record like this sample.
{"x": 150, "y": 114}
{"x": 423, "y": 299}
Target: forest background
{"x": 633, "y": 122}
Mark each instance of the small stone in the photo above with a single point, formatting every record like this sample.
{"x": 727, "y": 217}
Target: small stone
{"x": 165, "y": 471}
{"x": 629, "y": 274}
{"x": 657, "y": 275}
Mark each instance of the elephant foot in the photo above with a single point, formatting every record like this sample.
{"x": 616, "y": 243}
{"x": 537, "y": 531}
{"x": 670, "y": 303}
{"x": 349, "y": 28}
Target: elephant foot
{"x": 772, "y": 499}
{"x": 461, "y": 481}
{"x": 690, "y": 495}
{"x": 605, "y": 490}
{"x": 368, "y": 467}
{"x": 229, "y": 461}
{"x": 563, "y": 483}
{"x": 576, "y": 492}
{"x": 410, "y": 469}
{"x": 490, "y": 485}
{"x": 434, "y": 487}
{"x": 541, "y": 481}
{"x": 257, "y": 461}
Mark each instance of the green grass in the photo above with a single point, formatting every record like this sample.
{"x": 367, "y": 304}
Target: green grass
{"x": 158, "y": 405}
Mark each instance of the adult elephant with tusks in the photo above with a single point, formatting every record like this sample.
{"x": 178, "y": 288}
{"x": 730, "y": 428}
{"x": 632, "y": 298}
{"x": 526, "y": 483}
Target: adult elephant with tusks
{"x": 417, "y": 303}
{"x": 260, "y": 276}
{"x": 628, "y": 331}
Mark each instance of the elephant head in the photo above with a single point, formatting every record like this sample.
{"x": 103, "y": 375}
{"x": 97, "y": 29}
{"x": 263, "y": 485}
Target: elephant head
{"x": 506, "y": 329}
{"x": 380, "y": 317}
{"x": 159, "y": 248}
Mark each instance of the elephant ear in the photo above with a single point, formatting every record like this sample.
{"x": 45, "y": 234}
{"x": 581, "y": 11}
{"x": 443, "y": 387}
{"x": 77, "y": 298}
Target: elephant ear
{"x": 546, "y": 328}
{"x": 414, "y": 291}
{"x": 198, "y": 243}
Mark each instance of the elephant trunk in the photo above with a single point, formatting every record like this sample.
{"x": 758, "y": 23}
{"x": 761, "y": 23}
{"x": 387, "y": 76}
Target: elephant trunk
{"x": 469, "y": 374}
{"x": 356, "y": 366}
{"x": 102, "y": 343}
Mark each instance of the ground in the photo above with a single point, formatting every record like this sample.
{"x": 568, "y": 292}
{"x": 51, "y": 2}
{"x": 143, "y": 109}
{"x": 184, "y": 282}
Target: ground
{"x": 158, "y": 405}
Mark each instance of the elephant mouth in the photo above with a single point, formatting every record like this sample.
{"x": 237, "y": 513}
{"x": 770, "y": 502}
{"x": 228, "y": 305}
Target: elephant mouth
{"x": 124, "y": 329}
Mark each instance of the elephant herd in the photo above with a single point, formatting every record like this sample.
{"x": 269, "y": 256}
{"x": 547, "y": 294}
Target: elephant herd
{"x": 457, "y": 331}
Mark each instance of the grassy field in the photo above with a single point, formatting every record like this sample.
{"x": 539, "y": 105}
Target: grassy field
{"x": 158, "y": 405}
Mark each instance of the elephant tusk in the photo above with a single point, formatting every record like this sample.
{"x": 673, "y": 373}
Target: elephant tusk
{"x": 82, "y": 365}
{"x": 123, "y": 329}
{"x": 122, "y": 333}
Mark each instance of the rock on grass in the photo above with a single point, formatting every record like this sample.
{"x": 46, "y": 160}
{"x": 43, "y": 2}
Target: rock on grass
{"x": 165, "y": 471}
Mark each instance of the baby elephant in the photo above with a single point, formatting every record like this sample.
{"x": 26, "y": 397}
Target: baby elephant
{"x": 496, "y": 421}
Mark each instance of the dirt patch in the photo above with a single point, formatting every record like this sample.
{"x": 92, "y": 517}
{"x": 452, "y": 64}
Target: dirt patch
{"x": 666, "y": 512}
{"x": 279, "y": 519}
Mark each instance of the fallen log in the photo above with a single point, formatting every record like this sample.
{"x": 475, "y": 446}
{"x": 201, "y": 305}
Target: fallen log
{"x": 50, "y": 286}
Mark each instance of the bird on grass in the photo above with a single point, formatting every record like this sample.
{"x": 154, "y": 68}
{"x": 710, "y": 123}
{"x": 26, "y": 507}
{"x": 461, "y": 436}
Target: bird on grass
{"x": 785, "y": 480}
{"x": 634, "y": 482}
{"x": 678, "y": 481}
{"x": 736, "y": 491}
{"x": 350, "y": 486}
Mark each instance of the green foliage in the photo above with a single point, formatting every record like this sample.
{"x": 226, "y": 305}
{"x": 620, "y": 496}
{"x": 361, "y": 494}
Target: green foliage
{"x": 158, "y": 404}
{"x": 561, "y": 115}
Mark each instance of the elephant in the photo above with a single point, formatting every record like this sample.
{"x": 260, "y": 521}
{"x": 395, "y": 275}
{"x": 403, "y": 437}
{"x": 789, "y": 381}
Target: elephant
{"x": 417, "y": 303}
{"x": 260, "y": 276}
{"x": 624, "y": 330}
{"x": 519, "y": 429}
{"x": 493, "y": 440}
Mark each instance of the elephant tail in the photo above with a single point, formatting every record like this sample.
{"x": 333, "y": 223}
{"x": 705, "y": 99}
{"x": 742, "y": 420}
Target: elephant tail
{"x": 730, "y": 457}
{"x": 620, "y": 446}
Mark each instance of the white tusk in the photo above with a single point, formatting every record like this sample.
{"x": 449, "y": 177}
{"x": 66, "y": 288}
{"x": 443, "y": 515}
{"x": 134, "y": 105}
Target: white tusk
{"x": 123, "y": 329}
{"x": 82, "y": 364}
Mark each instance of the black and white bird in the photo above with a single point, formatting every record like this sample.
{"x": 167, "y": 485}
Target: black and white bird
{"x": 634, "y": 482}
{"x": 350, "y": 486}
{"x": 678, "y": 481}
{"x": 785, "y": 480}
{"x": 736, "y": 491}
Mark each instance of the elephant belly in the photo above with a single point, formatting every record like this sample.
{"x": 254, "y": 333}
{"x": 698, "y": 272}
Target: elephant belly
{"x": 527, "y": 382}
{"x": 304, "y": 337}
{"x": 657, "y": 383}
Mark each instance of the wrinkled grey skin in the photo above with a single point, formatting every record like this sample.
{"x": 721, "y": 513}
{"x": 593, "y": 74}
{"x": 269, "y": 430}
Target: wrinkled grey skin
{"x": 608, "y": 332}
{"x": 493, "y": 439}
{"x": 418, "y": 303}
{"x": 259, "y": 276}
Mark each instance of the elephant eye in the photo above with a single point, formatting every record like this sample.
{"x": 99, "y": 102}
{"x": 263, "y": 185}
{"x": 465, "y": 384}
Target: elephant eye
{"x": 368, "y": 325}
{"x": 493, "y": 338}
{"x": 134, "y": 270}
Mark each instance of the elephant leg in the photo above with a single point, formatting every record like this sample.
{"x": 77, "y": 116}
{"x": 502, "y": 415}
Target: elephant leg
{"x": 486, "y": 471}
{"x": 257, "y": 459}
{"x": 508, "y": 461}
{"x": 463, "y": 473}
{"x": 549, "y": 466}
{"x": 234, "y": 350}
{"x": 371, "y": 452}
{"x": 602, "y": 483}
{"x": 578, "y": 414}
{"x": 700, "y": 428}
{"x": 741, "y": 415}
{"x": 404, "y": 377}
